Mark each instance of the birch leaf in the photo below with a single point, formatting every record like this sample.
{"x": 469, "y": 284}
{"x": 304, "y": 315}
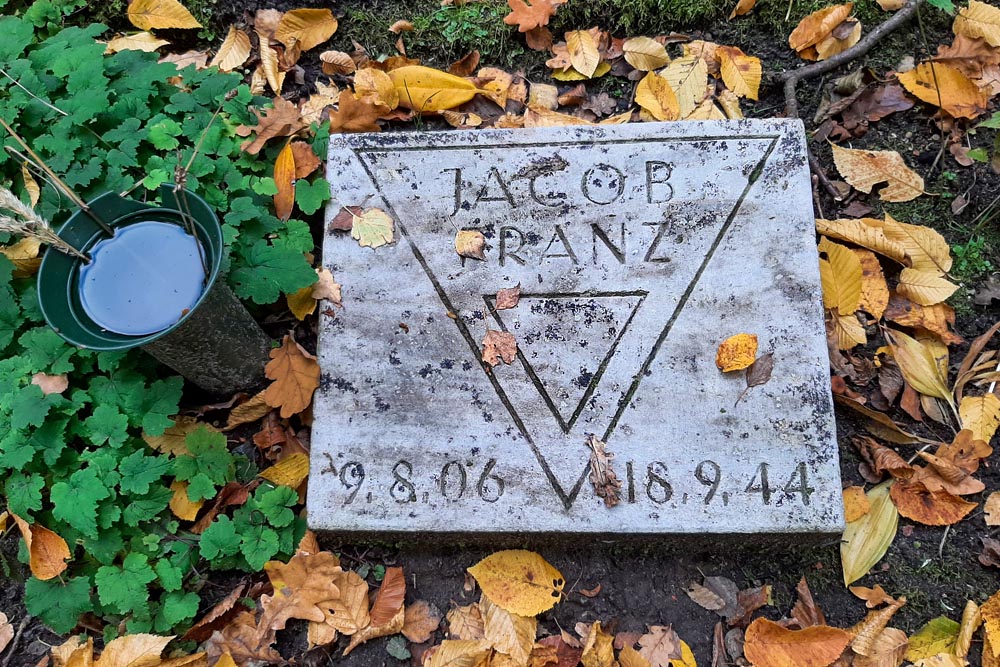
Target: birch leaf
{"x": 866, "y": 540}
{"x": 866, "y": 169}
{"x": 924, "y": 287}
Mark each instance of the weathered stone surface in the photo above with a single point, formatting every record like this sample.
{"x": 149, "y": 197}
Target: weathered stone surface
{"x": 638, "y": 249}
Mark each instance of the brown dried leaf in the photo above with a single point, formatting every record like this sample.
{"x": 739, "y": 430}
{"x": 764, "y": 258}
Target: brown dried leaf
{"x": 497, "y": 346}
{"x": 249, "y": 411}
{"x": 817, "y": 26}
{"x": 420, "y": 620}
{"x": 356, "y": 115}
{"x": 931, "y": 508}
{"x": 389, "y": 600}
{"x": 704, "y": 597}
{"x": 47, "y": 551}
{"x": 466, "y": 65}
{"x": 856, "y": 503}
{"x": 606, "y": 484}
{"x": 281, "y": 120}
{"x": 295, "y": 375}
{"x": 937, "y": 319}
{"x": 470, "y": 243}
{"x": 508, "y": 297}
{"x": 302, "y": 589}
{"x": 598, "y": 649}
{"x": 337, "y": 62}
{"x": 873, "y": 597}
{"x": 530, "y": 16}
{"x": 50, "y": 384}
{"x": 660, "y": 645}
{"x": 466, "y": 623}
{"x": 866, "y": 169}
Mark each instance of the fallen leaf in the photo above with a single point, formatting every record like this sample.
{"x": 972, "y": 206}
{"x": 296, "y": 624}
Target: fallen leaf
{"x": 249, "y": 411}
{"x": 866, "y": 633}
{"x": 924, "y": 287}
{"x": 497, "y": 346}
{"x": 306, "y": 27}
{"x": 767, "y": 644}
{"x": 470, "y": 243}
{"x": 303, "y": 589}
{"x": 466, "y": 65}
{"x": 290, "y": 471}
{"x": 314, "y": 109}
{"x": 355, "y": 114}
{"x": 992, "y": 509}
{"x": 990, "y": 555}
{"x": 688, "y": 79}
{"x": 704, "y": 597}
{"x": 295, "y": 376}
{"x": 758, "y": 373}
{"x": 337, "y": 62}
{"x": 508, "y": 633}
{"x": 466, "y": 623}
{"x": 866, "y": 540}
{"x": 888, "y": 649}
{"x": 420, "y": 620}
{"x": 24, "y": 256}
{"x": 50, "y": 384}
{"x": 389, "y": 600}
{"x": 841, "y": 277}
{"x": 865, "y": 232}
{"x": 378, "y": 85}
{"x": 873, "y": 597}
{"x": 137, "y": 650}
{"x": 181, "y": 505}
{"x": 171, "y": 441}
{"x": 741, "y": 73}
{"x": 645, "y": 54}
{"x": 530, "y": 16}
{"x": 47, "y": 551}
{"x": 373, "y": 228}
{"x": 874, "y": 290}
{"x": 197, "y": 58}
{"x": 284, "y": 180}
{"x": 931, "y": 508}
{"x": 508, "y": 297}
{"x": 629, "y": 657}
{"x": 583, "y": 53}
{"x": 736, "y": 352}
{"x": 149, "y": 14}
{"x": 866, "y": 169}
{"x": 598, "y": 647}
{"x": 945, "y": 86}
{"x": 816, "y": 27}
{"x": 281, "y": 120}
{"x": 742, "y": 7}
{"x": 459, "y": 653}
{"x": 981, "y": 20}
{"x": 606, "y": 484}
{"x": 843, "y": 37}
{"x": 657, "y": 98}
{"x": 981, "y": 415}
{"x": 936, "y": 636}
{"x": 926, "y": 249}
{"x": 244, "y": 641}
{"x": 234, "y": 51}
{"x": 375, "y": 630}
{"x": 937, "y": 319}
{"x": 806, "y": 612}
{"x": 140, "y": 41}
{"x": 536, "y": 116}
{"x": 348, "y": 613}
{"x": 856, "y": 503}
{"x": 918, "y": 365}
{"x": 306, "y": 161}
{"x": 425, "y": 89}
{"x": 519, "y": 581}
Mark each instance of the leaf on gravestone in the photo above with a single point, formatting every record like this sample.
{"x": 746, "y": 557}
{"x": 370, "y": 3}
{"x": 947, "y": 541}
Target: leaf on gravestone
{"x": 806, "y": 612}
{"x": 655, "y": 96}
{"x": 856, "y": 503}
{"x": 234, "y": 51}
{"x": 991, "y": 508}
{"x": 326, "y": 288}
{"x": 767, "y": 644}
{"x": 688, "y": 79}
{"x": 979, "y": 20}
{"x": 295, "y": 376}
{"x": 932, "y": 508}
{"x": 816, "y": 27}
{"x": 181, "y": 504}
{"x": 981, "y": 415}
{"x": 917, "y": 363}
{"x": 420, "y": 621}
{"x": 466, "y": 623}
{"x": 50, "y": 384}
{"x": 284, "y": 180}
{"x": 354, "y": 114}
{"x": 522, "y": 582}
{"x": 925, "y": 288}
{"x": 249, "y": 411}
{"x": 530, "y": 16}
{"x": 171, "y": 441}
{"x": 645, "y": 54}
{"x": 660, "y": 645}
{"x": 136, "y": 650}
{"x": 865, "y": 232}
{"x": 741, "y": 73}
{"x": 281, "y": 120}
{"x": 874, "y": 290}
{"x": 307, "y": 28}
{"x": 377, "y": 84}
{"x": 736, "y": 352}
{"x": 424, "y": 89}
{"x": 303, "y": 588}
{"x": 508, "y": 633}
{"x": 583, "y": 53}
{"x": 290, "y": 471}
{"x": 606, "y": 484}
{"x": 866, "y": 540}
{"x": 866, "y": 169}
{"x": 841, "y": 277}
{"x": 148, "y": 14}
{"x": 936, "y": 636}
{"x": 47, "y": 551}
{"x": 508, "y": 297}
{"x": 140, "y": 41}
{"x": 873, "y": 597}
{"x": 704, "y": 597}
{"x": 499, "y": 346}
{"x": 470, "y": 243}
{"x": 945, "y": 86}
{"x": 372, "y": 228}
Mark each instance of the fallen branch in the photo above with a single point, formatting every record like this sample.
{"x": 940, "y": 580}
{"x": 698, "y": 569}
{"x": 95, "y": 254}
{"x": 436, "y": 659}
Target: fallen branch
{"x": 792, "y": 78}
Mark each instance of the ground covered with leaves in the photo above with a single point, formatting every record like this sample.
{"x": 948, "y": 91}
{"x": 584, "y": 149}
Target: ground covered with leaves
{"x": 149, "y": 523}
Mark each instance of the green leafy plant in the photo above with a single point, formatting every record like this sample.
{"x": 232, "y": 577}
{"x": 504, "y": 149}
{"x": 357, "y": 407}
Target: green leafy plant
{"x": 972, "y": 260}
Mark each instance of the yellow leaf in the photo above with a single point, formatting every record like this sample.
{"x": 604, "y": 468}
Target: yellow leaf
{"x": 426, "y": 89}
{"x": 583, "y": 53}
{"x": 47, "y": 551}
{"x": 874, "y": 290}
{"x": 645, "y": 54}
{"x": 459, "y": 653}
{"x": 373, "y": 228}
{"x": 30, "y": 185}
{"x": 741, "y": 73}
{"x": 979, "y": 20}
{"x": 508, "y": 633}
{"x": 306, "y": 27}
{"x": 572, "y": 75}
{"x": 936, "y": 636}
{"x": 990, "y": 611}
{"x": 139, "y": 650}
{"x": 856, "y": 503}
{"x": 918, "y": 365}
{"x": 730, "y": 104}
{"x": 148, "y": 14}
{"x": 470, "y": 243}
{"x": 657, "y": 98}
{"x": 981, "y": 415}
{"x": 945, "y": 86}
{"x": 849, "y": 331}
{"x": 818, "y": 25}
{"x": 181, "y": 505}
{"x": 290, "y": 471}
{"x": 598, "y": 648}
{"x": 866, "y": 169}
{"x": 842, "y": 286}
{"x": 519, "y": 581}
{"x": 687, "y": 655}
{"x": 688, "y": 78}
{"x": 926, "y": 249}
{"x": 866, "y": 540}
{"x": 269, "y": 64}
{"x": 924, "y": 287}
{"x": 234, "y": 51}
{"x": 370, "y": 81}
{"x": 768, "y": 644}
{"x": 140, "y": 41}
{"x": 171, "y": 441}
{"x": 248, "y": 411}
{"x": 742, "y": 7}
{"x": 865, "y": 232}
{"x": 832, "y": 45}
{"x": 284, "y": 180}
{"x": 24, "y": 256}
{"x": 301, "y": 303}
{"x": 629, "y": 657}
{"x": 736, "y": 352}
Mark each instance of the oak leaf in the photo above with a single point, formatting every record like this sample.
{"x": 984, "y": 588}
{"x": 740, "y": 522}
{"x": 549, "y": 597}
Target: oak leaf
{"x": 767, "y": 644}
{"x": 645, "y": 54}
{"x": 866, "y": 169}
{"x": 420, "y": 620}
{"x": 736, "y": 352}
{"x": 284, "y": 180}
{"x": 233, "y": 52}
{"x": 866, "y": 540}
{"x": 372, "y": 228}
{"x": 660, "y": 645}
{"x": 925, "y": 288}
{"x": 47, "y": 551}
{"x": 947, "y": 87}
{"x": 655, "y": 96}
{"x": 979, "y": 19}
{"x": 306, "y": 27}
{"x": 295, "y": 375}
{"x": 583, "y": 53}
{"x": 140, "y": 41}
{"x": 314, "y": 108}
{"x": 425, "y": 89}
{"x": 281, "y": 120}
{"x": 519, "y": 581}
{"x": 303, "y": 589}
{"x": 741, "y": 73}
{"x": 244, "y": 641}
{"x": 499, "y": 346}
{"x": 348, "y": 613}
{"x": 355, "y": 114}
{"x": 931, "y": 508}
{"x": 149, "y": 14}
{"x": 530, "y": 16}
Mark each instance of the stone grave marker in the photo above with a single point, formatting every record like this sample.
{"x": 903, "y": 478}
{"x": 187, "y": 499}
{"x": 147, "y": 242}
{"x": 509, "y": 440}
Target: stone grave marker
{"x": 638, "y": 249}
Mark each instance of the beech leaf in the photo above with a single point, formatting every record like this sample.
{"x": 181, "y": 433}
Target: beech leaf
{"x": 149, "y": 14}
{"x": 645, "y": 54}
{"x": 768, "y": 644}
{"x": 233, "y": 52}
{"x": 306, "y": 27}
{"x": 426, "y": 89}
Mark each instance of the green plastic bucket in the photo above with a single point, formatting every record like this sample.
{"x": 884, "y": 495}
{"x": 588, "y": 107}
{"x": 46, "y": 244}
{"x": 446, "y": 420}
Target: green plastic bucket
{"x": 216, "y": 344}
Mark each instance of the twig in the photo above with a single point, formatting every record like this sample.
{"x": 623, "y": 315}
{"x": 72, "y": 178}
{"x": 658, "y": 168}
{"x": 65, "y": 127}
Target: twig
{"x": 792, "y": 78}
{"x": 12, "y": 648}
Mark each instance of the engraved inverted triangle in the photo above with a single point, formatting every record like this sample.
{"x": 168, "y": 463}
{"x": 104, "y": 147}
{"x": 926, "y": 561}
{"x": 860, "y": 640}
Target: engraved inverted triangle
{"x": 565, "y": 342}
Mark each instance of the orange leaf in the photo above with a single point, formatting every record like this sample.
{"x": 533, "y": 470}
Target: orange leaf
{"x": 946, "y": 87}
{"x": 355, "y": 115}
{"x": 303, "y": 587}
{"x": 856, "y": 503}
{"x": 306, "y": 161}
{"x": 389, "y": 599}
{"x": 736, "y": 352}
{"x": 284, "y": 179}
{"x": 283, "y": 120}
{"x": 529, "y": 16}
{"x": 420, "y": 620}
{"x": 818, "y": 25}
{"x": 306, "y": 27}
{"x": 931, "y": 508}
{"x": 48, "y": 552}
{"x": 770, "y": 645}
{"x": 742, "y": 7}
{"x": 296, "y": 375}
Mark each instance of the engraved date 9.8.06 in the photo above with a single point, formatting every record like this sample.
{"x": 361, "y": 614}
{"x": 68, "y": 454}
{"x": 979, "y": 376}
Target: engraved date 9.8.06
{"x": 705, "y": 484}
